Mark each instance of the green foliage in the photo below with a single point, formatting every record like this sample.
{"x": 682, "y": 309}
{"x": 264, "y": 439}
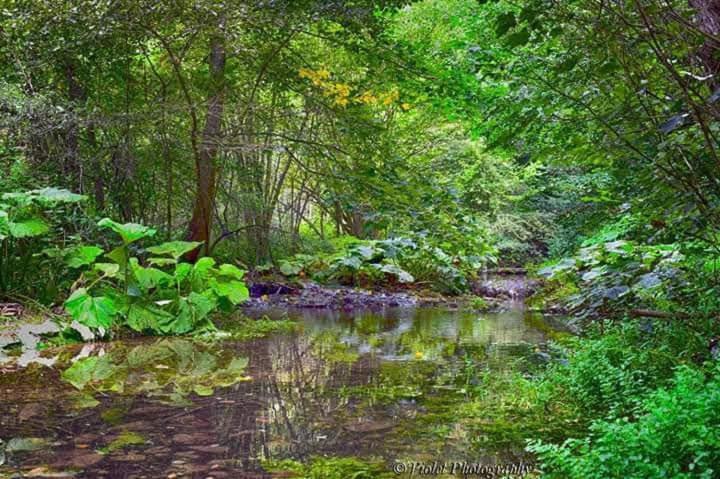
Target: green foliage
{"x": 330, "y": 468}
{"x": 615, "y": 275}
{"x": 124, "y": 440}
{"x": 28, "y": 222}
{"x": 675, "y": 433}
{"x": 384, "y": 262}
{"x": 165, "y": 297}
{"x": 478, "y": 303}
{"x": 93, "y": 312}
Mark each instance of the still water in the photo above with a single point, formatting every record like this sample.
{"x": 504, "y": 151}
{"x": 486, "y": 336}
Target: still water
{"x": 383, "y": 386}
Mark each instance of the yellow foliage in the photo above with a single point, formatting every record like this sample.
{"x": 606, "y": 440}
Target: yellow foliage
{"x": 367, "y": 98}
{"x": 391, "y": 97}
{"x": 318, "y": 77}
{"x": 341, "y": 92}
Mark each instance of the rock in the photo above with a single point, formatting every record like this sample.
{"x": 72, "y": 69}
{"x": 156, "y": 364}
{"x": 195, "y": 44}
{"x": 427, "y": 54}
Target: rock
{"x": 87, "y": 438}
{"x": 512, "y": 287}
{"x": 31, "y": 410}
{"x": 258, "y": 290}
{"x": 45, "y": 472}
{"x": 313, "y": 296}
{"x": 23, "y": 444}
{"x": 130, "y": 457}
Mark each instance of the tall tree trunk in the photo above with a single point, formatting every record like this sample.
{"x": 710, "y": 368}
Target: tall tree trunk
{"x": 76, "y": 95}
{"x": 205, "y": 167}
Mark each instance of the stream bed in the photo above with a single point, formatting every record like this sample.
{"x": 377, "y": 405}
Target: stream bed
{"x": 382, "y": 386}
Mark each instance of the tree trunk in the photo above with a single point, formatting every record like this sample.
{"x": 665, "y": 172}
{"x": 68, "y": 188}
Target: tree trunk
{"x": 205, "y": 167}
{"x": 76, "y": 96}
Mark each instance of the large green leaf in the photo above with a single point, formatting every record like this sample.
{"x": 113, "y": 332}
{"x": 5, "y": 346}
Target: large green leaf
{"x": 191, "y": 311}
{"x": 108, "y": 269}
{"x": 176, "y": 249}
{"x": 4, "y": 225}
{"x": 201, "y": 273}
{"x": 129, "y": 232}
{"x": 149, "y": 278}
{"x": 57, "y": 195}
{"x": 402, "y": 275}
{"x": 161, "y": 261}
{"x": 202, "y": 303}
{"x": 182, "y": 270}
{"x": 231, "y": 271}
{"x": 143, "y": 317}
{"x": 233, "y": 290}
{"x": 182, "y": 322}
{"x": 94, "y": 312}
{"x": 18, "y": 198}
{"x": 28, "y": 228}
{"x": 119, "y": 255}
{"x": 287, "y": 268}
{"x": 82, "y": 256}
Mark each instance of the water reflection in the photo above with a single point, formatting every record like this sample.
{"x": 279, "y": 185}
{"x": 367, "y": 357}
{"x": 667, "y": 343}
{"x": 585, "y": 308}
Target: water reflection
{"x": 347, "y": 384}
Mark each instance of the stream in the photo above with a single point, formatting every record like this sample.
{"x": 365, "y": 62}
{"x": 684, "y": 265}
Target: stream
{"x": 383, "y": 385}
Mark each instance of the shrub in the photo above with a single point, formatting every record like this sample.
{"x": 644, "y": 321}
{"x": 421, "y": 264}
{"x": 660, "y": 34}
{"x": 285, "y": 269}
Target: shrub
{"x": 677, "y": 435}
{"x": 613, "y": 276}
{"x": 167, "y": 296}
{"x": 395, "y": 260}
{"x": 28, "y": 225}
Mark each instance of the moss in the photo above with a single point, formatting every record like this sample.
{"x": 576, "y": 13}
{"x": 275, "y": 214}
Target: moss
{"x": 124, "y": 440}
{"x": 478, "y": 303}
{"x": 113, "y": 415}
{"x": 553, "y": 292}
{"x": 331, "y": 468}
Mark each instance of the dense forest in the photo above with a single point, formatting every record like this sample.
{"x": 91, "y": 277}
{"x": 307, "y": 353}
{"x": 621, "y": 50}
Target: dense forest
{"x": 169, "y": 169}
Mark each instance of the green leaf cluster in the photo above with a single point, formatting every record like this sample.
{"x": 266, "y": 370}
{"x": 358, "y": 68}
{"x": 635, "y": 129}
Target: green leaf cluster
{"x": 159, "y": 294}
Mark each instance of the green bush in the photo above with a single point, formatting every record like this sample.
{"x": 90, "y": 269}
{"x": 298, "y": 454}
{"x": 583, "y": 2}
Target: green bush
{"x": 676, "y": 434}
{"x": 29, "y": 239}
{"x": 165, "y": 296}
{"x": 608, "y": 375}
{"x": 395, "y": 260}
{"x": 615, "y": 276}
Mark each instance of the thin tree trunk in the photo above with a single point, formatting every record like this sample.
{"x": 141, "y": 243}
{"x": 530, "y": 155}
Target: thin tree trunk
{"x": 71, "y": 163}
{"x": 205, "y": 164}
